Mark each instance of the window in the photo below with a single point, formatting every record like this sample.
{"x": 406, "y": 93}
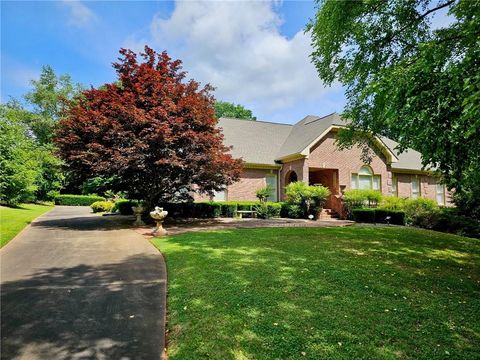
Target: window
{"x": 441, "y": 194}
{"x": 415, "y": 187}
{"x": 271, "y": 180}
{"x": 394, "y": 186}
{"x": 220, "y": 195}
{"x": 366, "y": 180}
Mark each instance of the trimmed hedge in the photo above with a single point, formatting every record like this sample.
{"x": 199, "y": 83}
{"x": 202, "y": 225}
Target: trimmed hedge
{"x": 364, "y": 215}
{"x": 123, "y": 206}
{"x": 368, "y": 215}
{"x": 77, "y": 200}
{"x": 204, "y": 209}
{"x": 397, "y": 217}
{"x": 101, "y": 206}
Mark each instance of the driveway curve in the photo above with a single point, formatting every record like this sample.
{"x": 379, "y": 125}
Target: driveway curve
{"x": 75, "y": 285}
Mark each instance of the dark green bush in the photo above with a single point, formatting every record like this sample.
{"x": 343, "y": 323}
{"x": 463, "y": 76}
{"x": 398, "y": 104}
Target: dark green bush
{"x": 268, "y": 210}
{"x": 397, "y": 217}
{"x": 310, "y": 198}
{"x": 101, "y": 206}
{"x": 448, "y": 220}
{"x": 292, "y": 211}
{"x": 364, "y": 215}
{"x": 274, "y": 209}
{"x": 77, "y": 200}
{"x": 123, "y": 206}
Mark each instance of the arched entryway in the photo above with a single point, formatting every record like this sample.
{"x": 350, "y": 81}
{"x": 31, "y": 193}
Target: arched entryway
{"x": 290, "y": 177}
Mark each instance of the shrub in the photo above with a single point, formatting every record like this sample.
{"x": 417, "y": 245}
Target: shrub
{"x": 309, "y": 198}
{"x": 207, "y": 209}
{"x": 77, "y": 200}
{"x": 268, "y": 210}
{"x": 392, "y": 203}
{"x": 292, "y": 211}
{"x": 262, "y": 211}
{"x": 264, "y": 193}
{"x": 123, "y": 206}
{"x": 101, "y": 206}
{"x": 418, "y": 210}
{"x": 396, "y": 217}
{"x": 357, "y": 198}
{"x": 447, "y": 220}
{"x": 365, "y": 215}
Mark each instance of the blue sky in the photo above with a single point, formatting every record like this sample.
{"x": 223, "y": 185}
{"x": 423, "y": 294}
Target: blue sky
{"x": 254, "y": 53}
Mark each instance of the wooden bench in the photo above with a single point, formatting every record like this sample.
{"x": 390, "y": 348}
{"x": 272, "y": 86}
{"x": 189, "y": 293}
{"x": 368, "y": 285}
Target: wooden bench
{"x": 240, "y": 213}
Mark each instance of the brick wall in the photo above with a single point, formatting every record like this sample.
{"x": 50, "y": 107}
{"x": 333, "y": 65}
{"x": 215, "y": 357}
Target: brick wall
{"x": 326, "y": 155}
{"x": 428, "y": 187}
{"x": 300, "y": 168}
{"x": 244, "y": 190}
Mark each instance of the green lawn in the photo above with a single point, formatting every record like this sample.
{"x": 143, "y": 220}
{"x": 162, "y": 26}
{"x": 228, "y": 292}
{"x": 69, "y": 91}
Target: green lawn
{"x": 13, "y": 220}
{"x": 338, "y": 293}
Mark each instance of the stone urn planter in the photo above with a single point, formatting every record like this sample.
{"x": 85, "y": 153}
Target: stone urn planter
{"x": 159, "y": 216}
{"x": 138, "y": 211}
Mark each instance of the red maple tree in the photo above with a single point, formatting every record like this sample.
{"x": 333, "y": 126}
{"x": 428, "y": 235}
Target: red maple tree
{"x": 151, "y": 131}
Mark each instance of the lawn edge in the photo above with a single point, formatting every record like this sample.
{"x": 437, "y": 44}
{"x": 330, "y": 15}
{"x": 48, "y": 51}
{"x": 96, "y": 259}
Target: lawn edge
{"x": 164, "y": 351}
{"x": 26, "y": 227}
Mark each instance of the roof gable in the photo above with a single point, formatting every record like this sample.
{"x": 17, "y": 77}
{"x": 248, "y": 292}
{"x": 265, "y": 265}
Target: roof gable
{"x": 265, "y": 143}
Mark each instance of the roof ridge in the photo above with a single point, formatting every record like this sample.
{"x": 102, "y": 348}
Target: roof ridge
{"x": 256, "y": 121}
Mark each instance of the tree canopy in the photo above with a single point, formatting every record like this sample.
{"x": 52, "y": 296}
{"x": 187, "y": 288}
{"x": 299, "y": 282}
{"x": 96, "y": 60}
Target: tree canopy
{"x": 151, "y": 132}
{"x": 47, "y": 99}
{"x": 230, "y": 110}
{"x": 408, "y": 80}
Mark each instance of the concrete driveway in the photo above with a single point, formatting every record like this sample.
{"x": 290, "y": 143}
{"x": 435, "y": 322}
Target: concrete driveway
{"x": 80, "y": 286}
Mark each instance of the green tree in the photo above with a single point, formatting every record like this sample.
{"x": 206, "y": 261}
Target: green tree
{"x": 407, "y": 80}
{"x": 47, "y": 99}
{"x": 18, "y": 159}
{"x": 230, "y": 110}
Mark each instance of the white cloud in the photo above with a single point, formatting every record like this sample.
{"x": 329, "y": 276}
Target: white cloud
{"x": 80, "y": 14}
{"x": 238, "y": 48}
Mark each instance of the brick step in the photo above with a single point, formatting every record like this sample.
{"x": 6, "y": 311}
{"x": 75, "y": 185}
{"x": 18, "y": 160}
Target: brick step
{"x": 328, "y": 214}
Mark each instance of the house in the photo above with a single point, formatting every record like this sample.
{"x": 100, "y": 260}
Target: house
{"x": 277, "y": 154}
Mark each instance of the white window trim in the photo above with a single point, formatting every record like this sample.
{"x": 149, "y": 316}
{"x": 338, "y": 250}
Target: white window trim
{"x": 354, "y": 182}
{"x": 444, "y": 195}
{"x": 417, "y": 179}
{"x": 394, "y": 185}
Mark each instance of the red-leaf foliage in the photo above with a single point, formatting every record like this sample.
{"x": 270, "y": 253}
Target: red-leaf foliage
{"x": 152, "y": 131}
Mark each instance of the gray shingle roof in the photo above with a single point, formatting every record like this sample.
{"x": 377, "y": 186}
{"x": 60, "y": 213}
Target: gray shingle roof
{"x": 260, "y": 142}
{"x": 255, "y": 142}
{"x": 306, "y": 131}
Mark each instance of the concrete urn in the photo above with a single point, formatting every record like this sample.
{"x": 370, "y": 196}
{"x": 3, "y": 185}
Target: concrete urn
{"x": 159, "y": 216}
{"x": 138, "y": 211}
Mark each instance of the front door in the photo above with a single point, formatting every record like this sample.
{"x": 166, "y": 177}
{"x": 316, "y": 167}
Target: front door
{"x": 327, "y": 178}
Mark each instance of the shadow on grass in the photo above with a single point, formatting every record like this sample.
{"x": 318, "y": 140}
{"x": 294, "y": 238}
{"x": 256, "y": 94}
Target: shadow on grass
{"x": 323, "y": 293}
{"x": 111, "y": 311}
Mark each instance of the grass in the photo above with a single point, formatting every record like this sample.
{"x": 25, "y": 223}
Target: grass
{"x": 330, "y": 293}
{"x": 13, "y": 220}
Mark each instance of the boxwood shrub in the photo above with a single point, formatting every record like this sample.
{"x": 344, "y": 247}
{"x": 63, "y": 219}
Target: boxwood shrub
{"x": 202, "y": 209}
{"x": 397, "y": 217}
{"x": 123, "y": 206}
{"x": 364, "y": 215}
{"x": 101, "y": 206}
{"x": 368, "y": 215}
{"x": 77, "y": 200}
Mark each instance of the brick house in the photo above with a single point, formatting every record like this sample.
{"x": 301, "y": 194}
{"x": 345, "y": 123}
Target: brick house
{"x": 277, "y": 154}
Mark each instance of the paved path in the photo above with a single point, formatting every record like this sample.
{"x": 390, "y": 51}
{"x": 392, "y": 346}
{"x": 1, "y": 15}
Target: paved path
{"x": 78, "y": 286}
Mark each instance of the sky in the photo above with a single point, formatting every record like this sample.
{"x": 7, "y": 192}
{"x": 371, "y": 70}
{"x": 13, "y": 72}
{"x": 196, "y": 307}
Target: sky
{"x": 254, "y": 53}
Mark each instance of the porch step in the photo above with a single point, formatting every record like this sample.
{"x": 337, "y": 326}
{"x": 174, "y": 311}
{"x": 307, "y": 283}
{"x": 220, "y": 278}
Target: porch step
{"x": 328, "y": 214}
